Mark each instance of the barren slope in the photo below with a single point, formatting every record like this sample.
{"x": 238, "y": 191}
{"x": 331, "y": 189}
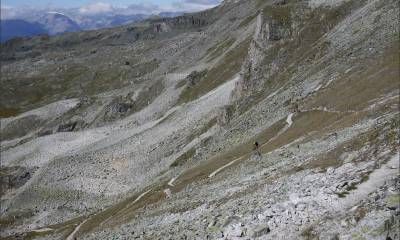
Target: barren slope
{"x": 146, "y": 131}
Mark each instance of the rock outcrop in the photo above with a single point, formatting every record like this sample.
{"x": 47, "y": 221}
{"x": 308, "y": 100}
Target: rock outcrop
{"x": 251, "y": 120}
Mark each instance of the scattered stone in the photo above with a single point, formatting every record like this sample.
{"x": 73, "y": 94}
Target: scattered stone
{"x": 260, "y": 230}
{"x": 68, "y": 127}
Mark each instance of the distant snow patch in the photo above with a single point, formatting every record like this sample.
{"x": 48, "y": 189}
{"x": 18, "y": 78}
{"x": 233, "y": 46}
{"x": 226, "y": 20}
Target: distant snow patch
{"x": 57, "y": 13}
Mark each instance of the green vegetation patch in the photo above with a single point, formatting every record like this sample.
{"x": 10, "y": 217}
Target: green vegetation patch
{"x": 353, "y": 186}
{"x": 8, "y": 112}
{"x": 184, "y": 158}
{"x": 229, "y": 65}
{"x": 309, "y": 233}
{"x": 219, "y": 49}
{"x": 148, "y": 95}
{"x": 393, "y": 201}
{"x": 202, "y": 130}
{"x": 247, "y": 21}
{"x": 190, "y": 153}
{"x": 242, "y": 150}
{"x": 281, "y": 13}
{"x": 15, "y": 217}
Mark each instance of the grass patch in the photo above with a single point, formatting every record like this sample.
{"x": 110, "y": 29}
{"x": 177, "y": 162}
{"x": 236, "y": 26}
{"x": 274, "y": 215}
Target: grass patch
{"x": 8, "y": 112}
{"x": 356, "y": 91}
{"x": 229, "y": 65}
{"x": 353, "y": 186}
{"x": 219, "y": 49}
{"x": 180, "y": 84}
{"x": 280, "y": 13}
{"x": 309, "y": 233}
{"x": 184, "y": 158}
{"x": 15, "y": 217}
{"x": 202, "y": 130}
{"x": 193, "y": 79}
{"x": 303, "y": 124}
{"x": 148, "y": 95}
{"x": 181, "y": 160}
{"x": 332, "y": 158}
{"x": 35, "y": 235}
{"x": 342, "y": 194}
{"x": 306, "y": 48}
{"x": 243, "y": 150}
{"x": 247, "y": 21}
{"x": 393, "y": 201}
{"x": 123, "y": 211}
{"x": 68, "y": 79}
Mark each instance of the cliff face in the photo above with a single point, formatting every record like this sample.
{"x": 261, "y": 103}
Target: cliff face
{"x": 148, "y": 131}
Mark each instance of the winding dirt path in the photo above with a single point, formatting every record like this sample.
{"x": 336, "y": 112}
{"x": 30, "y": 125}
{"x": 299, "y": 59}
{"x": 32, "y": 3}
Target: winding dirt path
{"x": 171, "y": 182}
{"x": 72, "y": 235}
{"x": 223, "y": 167}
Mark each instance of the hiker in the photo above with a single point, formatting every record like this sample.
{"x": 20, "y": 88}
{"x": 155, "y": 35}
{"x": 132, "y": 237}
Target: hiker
{"x": 336, "y": 135}
{"x": 256, "y": 149}
{"x": 295, "y": 108}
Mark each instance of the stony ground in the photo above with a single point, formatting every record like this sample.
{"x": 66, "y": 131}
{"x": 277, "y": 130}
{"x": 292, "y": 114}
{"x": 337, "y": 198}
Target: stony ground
{"x": 147, "y": 131}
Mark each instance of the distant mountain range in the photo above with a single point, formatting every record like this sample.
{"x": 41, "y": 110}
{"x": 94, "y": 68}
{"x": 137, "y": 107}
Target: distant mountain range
{"x": 19, "y": 28}
{"x": 57, "y": 23}
{"x": 54, "y": 23}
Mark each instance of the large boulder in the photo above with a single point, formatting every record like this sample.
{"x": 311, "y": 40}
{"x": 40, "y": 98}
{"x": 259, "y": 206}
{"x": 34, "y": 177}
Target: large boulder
{"x": 260, "y": 230}
{"x": 67, "y": 127}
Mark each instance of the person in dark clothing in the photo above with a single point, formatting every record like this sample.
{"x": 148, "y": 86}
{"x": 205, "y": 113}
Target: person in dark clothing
{"x": 256, "y": 149}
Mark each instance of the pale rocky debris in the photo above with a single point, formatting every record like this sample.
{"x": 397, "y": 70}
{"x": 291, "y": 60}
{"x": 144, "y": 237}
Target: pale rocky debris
{"x": 163, "y": 147}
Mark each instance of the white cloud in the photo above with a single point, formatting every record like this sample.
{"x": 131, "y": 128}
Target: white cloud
{"x": 190, "y": 5}
{"x": 103, "y": 7}
{"x": 144, "y": 8}
{"x": 96, "y": 8}
{"x": 8, "y": 12}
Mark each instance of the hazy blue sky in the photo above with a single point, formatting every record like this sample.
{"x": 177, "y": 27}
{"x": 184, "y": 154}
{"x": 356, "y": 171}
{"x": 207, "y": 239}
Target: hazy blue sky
{"x": 14, "y": 9}
{"x": 78, "y": 3}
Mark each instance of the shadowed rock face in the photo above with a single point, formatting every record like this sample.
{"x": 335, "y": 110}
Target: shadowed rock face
{"x": 117, "y": 110}
{"x": 19, "y": 28}
{"x": 149, "y": 130}
{"x": 13, "y": 178}
{"x": 67, "y": 127}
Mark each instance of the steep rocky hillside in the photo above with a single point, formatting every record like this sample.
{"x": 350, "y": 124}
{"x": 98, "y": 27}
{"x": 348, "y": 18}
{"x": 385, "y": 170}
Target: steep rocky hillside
{"x": 148, "y": 131}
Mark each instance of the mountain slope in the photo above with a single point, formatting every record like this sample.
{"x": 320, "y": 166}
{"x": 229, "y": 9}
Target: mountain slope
{"x": 148, "y": 130}
{"x": 19, "y": 28}
{"x": 106, "y": 21}
{"x": 57, "y": 23}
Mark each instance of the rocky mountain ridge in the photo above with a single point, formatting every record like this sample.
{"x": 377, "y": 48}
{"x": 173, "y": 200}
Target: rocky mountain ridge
{"x": 55, "y": 23}
{"x": 147, "y": 131}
